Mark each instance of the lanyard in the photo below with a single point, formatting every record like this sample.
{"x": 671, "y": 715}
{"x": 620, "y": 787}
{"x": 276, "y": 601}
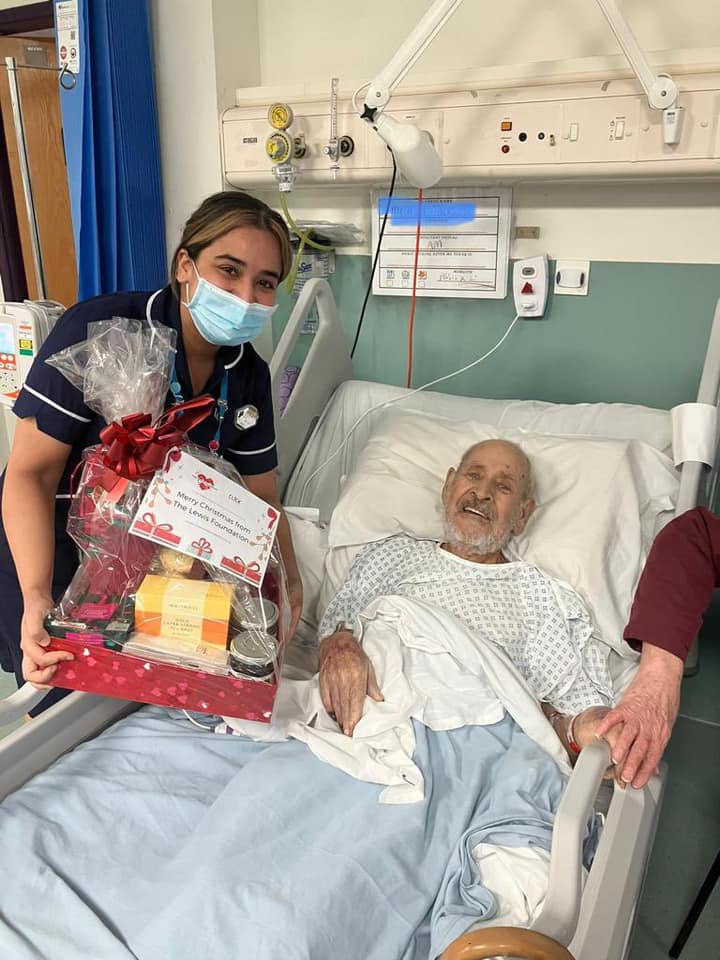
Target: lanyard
{"x": 220, "y": 409}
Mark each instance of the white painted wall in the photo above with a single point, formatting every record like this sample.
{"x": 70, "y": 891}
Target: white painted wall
{"x": 306, "y": 44}
{"x": 237, "y": 47}
{"x": 186, "y": 89}
{"x": 317, "y": 39}
{"x": 204, "y": 50}
{"x": 9, "y": 4}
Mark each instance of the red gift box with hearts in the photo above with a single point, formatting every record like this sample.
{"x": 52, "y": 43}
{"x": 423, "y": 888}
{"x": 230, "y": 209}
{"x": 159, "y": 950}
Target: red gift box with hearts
{"x": 101, "y": 670}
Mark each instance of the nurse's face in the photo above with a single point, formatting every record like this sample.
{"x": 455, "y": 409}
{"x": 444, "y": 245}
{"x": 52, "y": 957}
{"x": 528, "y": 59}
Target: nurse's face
{"x": 485, "y": 499}
{"x": 245, "y": 262}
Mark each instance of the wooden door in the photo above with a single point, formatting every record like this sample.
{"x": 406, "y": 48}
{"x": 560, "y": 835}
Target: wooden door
{"x": 40, "y": 100}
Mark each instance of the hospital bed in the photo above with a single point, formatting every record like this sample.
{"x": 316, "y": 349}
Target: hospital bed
{"x": 593, "y": 917}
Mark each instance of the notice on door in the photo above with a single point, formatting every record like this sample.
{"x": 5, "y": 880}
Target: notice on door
{"x": 68, "y": 35}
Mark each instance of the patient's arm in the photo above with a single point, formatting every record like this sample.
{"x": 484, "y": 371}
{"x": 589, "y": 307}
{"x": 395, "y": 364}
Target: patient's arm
{"x": 584, "y": 729}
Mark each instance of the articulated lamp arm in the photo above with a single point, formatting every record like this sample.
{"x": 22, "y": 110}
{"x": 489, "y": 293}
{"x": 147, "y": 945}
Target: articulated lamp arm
{"x": 661, "y": 89}
{"x": 413, "y": 149}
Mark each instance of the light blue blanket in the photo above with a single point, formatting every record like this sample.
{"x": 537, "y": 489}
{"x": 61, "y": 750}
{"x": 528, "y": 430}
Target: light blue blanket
{"x": 159, "y": 841}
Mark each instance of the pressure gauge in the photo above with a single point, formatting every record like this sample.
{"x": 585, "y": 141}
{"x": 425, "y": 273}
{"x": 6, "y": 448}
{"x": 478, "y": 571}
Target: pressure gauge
{"x": 279, "y": 147}
{"x": 280, "y": 116}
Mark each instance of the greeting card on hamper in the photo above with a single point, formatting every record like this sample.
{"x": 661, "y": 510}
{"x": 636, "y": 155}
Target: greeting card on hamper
{"x": 206, "y": 515}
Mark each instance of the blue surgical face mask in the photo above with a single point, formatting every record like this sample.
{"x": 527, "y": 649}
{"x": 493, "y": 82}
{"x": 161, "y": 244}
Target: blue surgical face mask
{"x": 224, "y": 319}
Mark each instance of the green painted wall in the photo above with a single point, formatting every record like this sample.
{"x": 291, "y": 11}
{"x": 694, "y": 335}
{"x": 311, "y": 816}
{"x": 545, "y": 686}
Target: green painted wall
{"x": 639, "y": 336}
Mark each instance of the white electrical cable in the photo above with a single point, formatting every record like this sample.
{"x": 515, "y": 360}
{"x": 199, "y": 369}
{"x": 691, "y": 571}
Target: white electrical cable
{"x": 207, "y": 729}
{"x": 406, "y": 396}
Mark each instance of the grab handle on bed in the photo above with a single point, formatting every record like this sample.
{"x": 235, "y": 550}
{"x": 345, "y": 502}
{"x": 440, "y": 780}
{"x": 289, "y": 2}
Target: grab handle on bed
{"x": 14, "y": 707}
{"x": 505, "y": 942}
{"x": 561, "y": 910}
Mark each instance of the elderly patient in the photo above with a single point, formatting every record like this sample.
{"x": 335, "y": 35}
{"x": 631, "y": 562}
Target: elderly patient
{"x": 540, "y": 622}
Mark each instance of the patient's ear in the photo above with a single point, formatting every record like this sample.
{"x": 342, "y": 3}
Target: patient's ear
{"x": 448, "y": 483}
{"x": 527, "y": 510}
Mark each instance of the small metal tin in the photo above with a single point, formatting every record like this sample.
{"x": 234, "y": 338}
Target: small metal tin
{"x": 252, "y": 654}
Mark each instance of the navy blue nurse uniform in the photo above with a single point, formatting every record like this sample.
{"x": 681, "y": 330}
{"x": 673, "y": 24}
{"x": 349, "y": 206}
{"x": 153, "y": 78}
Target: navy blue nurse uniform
{"x": 59, "y": 411}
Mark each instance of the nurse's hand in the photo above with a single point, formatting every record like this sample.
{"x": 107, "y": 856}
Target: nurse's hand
{"x": 346, "y": 678}
{"x": 38, "y": 664}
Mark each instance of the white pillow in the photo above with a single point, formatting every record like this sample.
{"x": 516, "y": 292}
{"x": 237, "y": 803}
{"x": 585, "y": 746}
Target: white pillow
{"x": 600, "y": 503}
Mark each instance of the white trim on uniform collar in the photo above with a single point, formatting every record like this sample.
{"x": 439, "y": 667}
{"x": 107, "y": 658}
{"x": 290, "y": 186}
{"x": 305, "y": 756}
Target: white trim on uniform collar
{"x": 148, "y": 313}
{"x": 149, "y": 305}
{"x": 69, "y": 413}
{"x": 229, "y": 366}
{"x": 250, "y": 453}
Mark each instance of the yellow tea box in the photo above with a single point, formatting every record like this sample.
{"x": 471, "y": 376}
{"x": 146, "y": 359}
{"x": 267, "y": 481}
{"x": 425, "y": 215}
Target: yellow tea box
{"x": 190, "y": 611}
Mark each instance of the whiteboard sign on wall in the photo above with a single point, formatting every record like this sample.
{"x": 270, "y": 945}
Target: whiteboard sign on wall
{"x": 464, "y": 242}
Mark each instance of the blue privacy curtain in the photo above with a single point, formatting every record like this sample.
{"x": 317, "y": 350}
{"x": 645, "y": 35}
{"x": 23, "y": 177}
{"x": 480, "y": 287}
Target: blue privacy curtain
{"x": 112, "y": 149}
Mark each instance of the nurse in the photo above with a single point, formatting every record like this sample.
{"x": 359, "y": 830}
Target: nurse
{"x": 233, "y": 254}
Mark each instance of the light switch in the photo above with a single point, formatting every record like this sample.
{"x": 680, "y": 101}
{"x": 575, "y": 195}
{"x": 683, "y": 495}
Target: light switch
{"x": 574, "y": 131}
{"x": 620, "y": 129}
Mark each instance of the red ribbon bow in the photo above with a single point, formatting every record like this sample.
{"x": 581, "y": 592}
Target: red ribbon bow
{"x": 136, "y": 448}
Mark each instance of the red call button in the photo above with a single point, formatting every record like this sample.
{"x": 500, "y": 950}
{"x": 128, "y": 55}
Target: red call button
{"x": 505, "y": 148}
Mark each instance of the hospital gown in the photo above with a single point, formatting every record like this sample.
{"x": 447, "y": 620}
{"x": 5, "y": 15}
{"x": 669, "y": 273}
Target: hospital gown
{"x": 540, "y": 622}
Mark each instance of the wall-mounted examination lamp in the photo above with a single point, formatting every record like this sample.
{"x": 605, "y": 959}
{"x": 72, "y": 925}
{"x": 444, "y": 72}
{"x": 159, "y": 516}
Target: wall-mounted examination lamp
{"x": 415, "y": 154}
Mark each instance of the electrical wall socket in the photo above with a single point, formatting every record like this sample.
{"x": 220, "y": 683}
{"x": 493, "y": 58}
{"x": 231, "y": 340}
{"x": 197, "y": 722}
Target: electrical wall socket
{"x": 572, "y": 278}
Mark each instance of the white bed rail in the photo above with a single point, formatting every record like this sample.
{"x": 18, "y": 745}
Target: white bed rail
{"x": 327, "y": 365}
{"x": 559, "y": 915}
{"x": 16, "y": 706}
{"x": 693, "y": 473}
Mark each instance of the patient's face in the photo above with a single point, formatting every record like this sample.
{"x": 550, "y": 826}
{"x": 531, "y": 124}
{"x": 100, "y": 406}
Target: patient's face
{"x": 485, "y": 499}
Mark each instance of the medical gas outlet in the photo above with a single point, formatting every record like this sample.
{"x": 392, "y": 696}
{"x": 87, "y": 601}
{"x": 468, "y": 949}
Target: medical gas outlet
{"x": 530, "y": 287}
{"x": 281, "y": 148}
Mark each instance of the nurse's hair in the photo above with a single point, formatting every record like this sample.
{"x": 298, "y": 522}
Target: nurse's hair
{"x": 223, "y": 212}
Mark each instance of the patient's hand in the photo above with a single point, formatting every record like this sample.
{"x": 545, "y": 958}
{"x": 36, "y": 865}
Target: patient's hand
{"x": 585, "y": 730}
{"x": 346, "y": 677}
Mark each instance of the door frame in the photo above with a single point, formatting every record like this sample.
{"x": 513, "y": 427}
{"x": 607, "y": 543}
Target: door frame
{"x": 24, "y": 19}
{"x": 32, "y": 16}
